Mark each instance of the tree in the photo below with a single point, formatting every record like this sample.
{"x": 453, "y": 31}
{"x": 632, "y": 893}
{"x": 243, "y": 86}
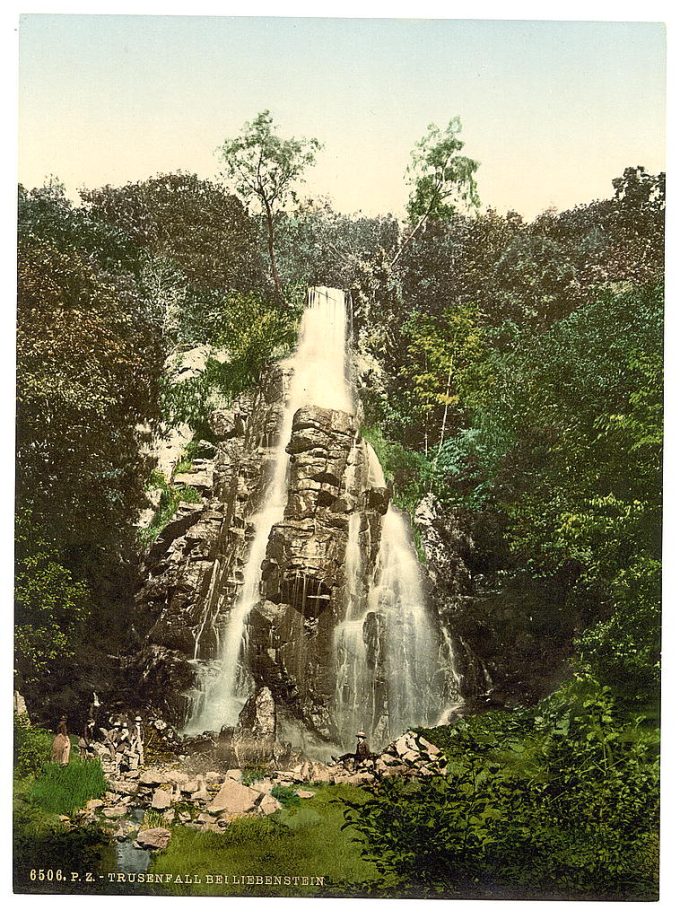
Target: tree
{"x": 195, "y": 243}
{"x": 440, "y": 178}
{"x": 89, "y": 359}
{"x": 264, "y": 168}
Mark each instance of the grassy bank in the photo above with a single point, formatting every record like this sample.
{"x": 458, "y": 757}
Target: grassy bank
{"x": 44, "y": 791}
{"x": 305, "y": 838}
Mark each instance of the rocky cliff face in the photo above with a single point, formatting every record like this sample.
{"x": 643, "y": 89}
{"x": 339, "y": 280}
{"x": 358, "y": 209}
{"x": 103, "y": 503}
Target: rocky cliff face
{"x": 511, "y": 636}
{"x": 195, "y": 567}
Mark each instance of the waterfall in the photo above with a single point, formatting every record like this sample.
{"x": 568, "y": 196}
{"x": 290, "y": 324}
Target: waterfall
{"x": 318, "y": 377}
{"x": 411, "y": 645}
{"x": 387, "y": 650}
{"x": 390, "y": 666}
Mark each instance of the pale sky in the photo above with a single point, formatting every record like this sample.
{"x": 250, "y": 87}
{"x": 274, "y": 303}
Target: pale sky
{"x": 552, "y": 110}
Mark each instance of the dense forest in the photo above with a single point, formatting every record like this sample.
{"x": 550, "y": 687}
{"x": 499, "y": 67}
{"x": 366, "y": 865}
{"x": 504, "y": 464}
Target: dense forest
{"x": 511, "y": 376}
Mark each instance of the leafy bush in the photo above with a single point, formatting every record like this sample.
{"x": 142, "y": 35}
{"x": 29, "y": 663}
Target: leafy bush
{"x": 32, "y": 747}
{"x": 170, "y": 499}
{"x": 561, "y": 800}
{"x": 409, "y": 472}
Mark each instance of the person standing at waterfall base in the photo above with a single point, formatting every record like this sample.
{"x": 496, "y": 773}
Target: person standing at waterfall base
{"x": 137, "y": 744}
{"x": 61, "y": 746}
{"x": 362, "y": 751}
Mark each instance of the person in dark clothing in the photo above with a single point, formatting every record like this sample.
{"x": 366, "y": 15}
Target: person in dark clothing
{"x": 362, "y": 750}
{"x": 86, "y": 742}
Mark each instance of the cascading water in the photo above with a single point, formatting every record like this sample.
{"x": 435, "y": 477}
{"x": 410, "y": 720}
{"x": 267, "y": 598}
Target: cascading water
{"x": 318, "y": 377}
{"x": 386, "y": 649}
{"x": 376, "y": 662}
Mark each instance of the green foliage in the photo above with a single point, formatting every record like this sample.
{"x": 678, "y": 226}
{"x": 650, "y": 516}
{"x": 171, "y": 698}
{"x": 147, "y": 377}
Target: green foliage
{"x": 88, "y": 363}
{"x": 64, "y": 789}
{"x": 39, "y": 840}
{"x": 409, "y": 471}
{"x": 439, "y": 176}
{"x": 32, "y": 747}
{"x": 193, "y": 240}
{"x": 253, "y": 332}
{"x": 265, "y": 168}
{"x": 170, "y": 499}
{"x": 561, "y": 800}
{"x": 286, "y": 796}
{"x": 317, "y": 246}
{"x": 304, "y": 833}
{"x": 50, "y": 604}
{"x": 440, "y": 351}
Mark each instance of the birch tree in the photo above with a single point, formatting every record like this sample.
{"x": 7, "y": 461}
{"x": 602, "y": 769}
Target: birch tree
{"x": 264, "y": 168}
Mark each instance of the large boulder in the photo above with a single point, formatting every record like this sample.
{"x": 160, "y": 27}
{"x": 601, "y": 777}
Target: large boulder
{"x": 258, "y": 717}
{"x": 156, "y": 837}
{"x": 234, "y": 798}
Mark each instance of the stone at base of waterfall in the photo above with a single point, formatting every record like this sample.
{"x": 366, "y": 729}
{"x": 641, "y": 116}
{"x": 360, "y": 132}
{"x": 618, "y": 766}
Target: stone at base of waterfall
{"x": 156, "y": 837}
{"x": 124, "y": 787}
{"x": 93, "y": 804}
{"x": 409, "y": 756}
{"x": 176, "y": 777}
{"x": 124, "y": 830}
{"x": 234, "y": 798}
{"x": 161, "y": 799}
{"x": 119, "y": 810}
{"x": 206, "y": 818}
{"x": 191, "y": 787}
{"x": 151, "y": 777}
{"x": 418, "y": 754}
{"x": 269, "y": 805}
{"x": 264, "y": 786}
{"x": 320, "y": 773}
{"x": 357, "y": 778}
{"x": 303, "y": 793}
{"x": 258, "y": 716}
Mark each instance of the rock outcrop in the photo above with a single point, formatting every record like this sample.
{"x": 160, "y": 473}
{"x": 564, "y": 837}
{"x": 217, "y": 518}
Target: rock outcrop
{"x": 496, "y": 620}
{"x": 195, "y": 567}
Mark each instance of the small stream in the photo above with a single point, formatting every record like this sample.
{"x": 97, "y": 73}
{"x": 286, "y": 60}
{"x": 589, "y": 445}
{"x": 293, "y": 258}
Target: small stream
{"x": 122, "y": 855}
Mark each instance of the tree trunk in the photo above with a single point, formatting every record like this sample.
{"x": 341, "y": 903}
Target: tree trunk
{"x": 272, "y": 256}
{"x": 446, "y": 411}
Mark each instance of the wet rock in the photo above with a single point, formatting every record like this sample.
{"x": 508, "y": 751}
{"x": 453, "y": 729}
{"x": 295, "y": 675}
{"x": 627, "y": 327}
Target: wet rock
{"x": 156, "y": 837}
{"x": 258, "y": 717}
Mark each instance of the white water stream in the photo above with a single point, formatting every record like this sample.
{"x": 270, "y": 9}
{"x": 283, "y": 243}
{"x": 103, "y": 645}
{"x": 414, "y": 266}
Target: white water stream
{"x": 319, "y": 377}
{"x": 390, "y": 674}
